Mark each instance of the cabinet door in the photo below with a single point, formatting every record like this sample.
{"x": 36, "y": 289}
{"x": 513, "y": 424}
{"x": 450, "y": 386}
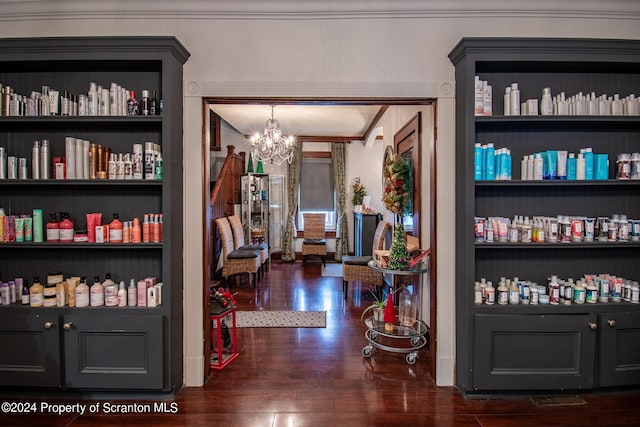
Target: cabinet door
{"x": 534, "y": 352}
{"x": 31, "y": 350}
{"x": 113, "y": 351}
{"x": 619, "y": 356}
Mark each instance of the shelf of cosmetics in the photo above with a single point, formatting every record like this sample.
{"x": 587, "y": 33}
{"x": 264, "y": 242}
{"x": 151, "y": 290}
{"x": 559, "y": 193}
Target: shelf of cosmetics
{"x": 84, "y": 160}
{"x": 30, "y": 228}
{"x": 559, "y": 105}
{"x": 562, "y": 229}
{"x": 590, "y": 289}
{"x": 495, "y": 164}
{"x": 59, "y": 291}
{"x": 98, "y": 101}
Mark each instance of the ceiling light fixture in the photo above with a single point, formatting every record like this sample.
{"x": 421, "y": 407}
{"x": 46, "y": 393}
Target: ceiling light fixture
{"x": 272, "y": 146}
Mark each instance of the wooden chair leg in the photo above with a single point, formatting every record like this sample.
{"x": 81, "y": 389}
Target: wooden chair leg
{"x": 345, "y": 288}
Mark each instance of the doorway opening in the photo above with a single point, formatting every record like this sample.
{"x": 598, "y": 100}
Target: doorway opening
{"x": 391, "y": 115}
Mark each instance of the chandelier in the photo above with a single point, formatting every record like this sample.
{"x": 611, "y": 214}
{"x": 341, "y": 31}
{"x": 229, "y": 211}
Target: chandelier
{"x": 272, "y": 146}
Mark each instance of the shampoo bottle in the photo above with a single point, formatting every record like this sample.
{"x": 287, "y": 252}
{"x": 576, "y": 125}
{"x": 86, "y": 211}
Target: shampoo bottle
{"x": 132, "y": 294}
{"x": 66, "y": 228}
{"x": 82, "y": 293}
{"x": 36, "y": 293}
{"x": 122, "y": 295}
{"x": 135, "y": 231}
{"x": 146, "y": 229}
{"x": 25, "y": 293}
{"x": 571, "y": 167}
{"x": 97, "y": 293}
{"x": 53, "y": 229}
{"x": 115, "y": 230}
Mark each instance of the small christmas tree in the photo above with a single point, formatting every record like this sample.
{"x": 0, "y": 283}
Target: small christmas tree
{"x": 399, "y": 256}
{"x": 250, "y": 164}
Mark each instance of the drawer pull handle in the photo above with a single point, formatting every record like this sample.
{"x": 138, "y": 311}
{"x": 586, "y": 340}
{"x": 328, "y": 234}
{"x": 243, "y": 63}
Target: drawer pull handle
{"x": 593, "y": 326}
{"x": 67, "y": 325}
{"x": 612, "y": 323}
{"x": 48, "y": 325}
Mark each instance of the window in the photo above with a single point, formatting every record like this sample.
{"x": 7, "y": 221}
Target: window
{"x": 317, "y": 191}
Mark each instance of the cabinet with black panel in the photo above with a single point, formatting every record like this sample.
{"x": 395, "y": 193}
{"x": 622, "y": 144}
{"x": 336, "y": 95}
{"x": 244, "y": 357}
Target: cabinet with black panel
{"x": 544, "y": 347}
{"x": 106, "y": 348}
{"x": 364, "y": 229}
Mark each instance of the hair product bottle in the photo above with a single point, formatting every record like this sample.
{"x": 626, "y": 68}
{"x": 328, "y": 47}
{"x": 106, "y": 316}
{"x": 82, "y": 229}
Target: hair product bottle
{"x": 96, "y": 293}
{"x": 132, "y": 294}
{"x": 36, "y": 293}
{"x": 115, "y": 230}
{"x": 82, "y": 293}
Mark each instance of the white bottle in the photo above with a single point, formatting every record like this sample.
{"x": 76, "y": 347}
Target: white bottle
{"x": 487, "y": 99}
{"x": 594, "y": 105}
{"x": 581, "y": 105}
{"x": 507, "y": 101}
{"x": 616, "y": 106}
{"x": 563, "y": 105}
{"x": 546, "y": 104}
{"x": 605, "y": 106}
{"x": 515, "y": 100}
{"x": 132, "y": 294}
{"x": 523, "y": 168}
{"x": 538, "y": 167}
{"x": 82, "y": 293}
{"x": 632, "y": 105}
{"x": 580, "y": 168}
{"x": 113, "y": 102}
{"x": 96, "y": 293}
{"x": 122, "y": 295}
{"x": 530, "y": 167}
{"x": 92, "y": 100}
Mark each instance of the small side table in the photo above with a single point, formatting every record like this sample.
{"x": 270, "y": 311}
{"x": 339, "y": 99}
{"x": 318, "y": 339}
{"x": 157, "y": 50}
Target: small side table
{"x": 223, "y": 338}
{"x": 413, "y": 337}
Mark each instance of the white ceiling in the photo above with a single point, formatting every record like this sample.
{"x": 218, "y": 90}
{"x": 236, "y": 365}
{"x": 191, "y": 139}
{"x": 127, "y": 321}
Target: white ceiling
{"x": 300, "y": 120}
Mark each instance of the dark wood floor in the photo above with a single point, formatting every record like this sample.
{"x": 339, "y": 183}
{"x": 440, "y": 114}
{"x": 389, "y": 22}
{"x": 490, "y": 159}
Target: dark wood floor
{"x": 318, "y": 377}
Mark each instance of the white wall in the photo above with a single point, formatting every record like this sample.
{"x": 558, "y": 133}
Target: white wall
{"x": 332, "y": 49}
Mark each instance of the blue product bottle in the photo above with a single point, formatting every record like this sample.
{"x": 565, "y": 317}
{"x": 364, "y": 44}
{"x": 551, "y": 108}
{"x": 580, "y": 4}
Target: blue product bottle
{"x": 477, "y": 162}
{"x": 490, "y": 163}
{"x": 508, "y": 162}
{"x": 588, "y": 163}
{"x": 572, "y": 166}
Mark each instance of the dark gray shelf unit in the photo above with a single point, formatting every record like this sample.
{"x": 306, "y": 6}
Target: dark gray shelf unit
{"x": 127, "y": 349}
{"x": 505, "y": 349}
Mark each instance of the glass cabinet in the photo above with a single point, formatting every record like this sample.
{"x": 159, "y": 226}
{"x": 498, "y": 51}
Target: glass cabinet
{"x": 255, "y": 207}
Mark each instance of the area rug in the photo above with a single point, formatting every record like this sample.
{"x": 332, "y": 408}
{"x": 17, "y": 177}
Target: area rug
{"x": 281, "y": 319}
{"x": 332, "y": 270}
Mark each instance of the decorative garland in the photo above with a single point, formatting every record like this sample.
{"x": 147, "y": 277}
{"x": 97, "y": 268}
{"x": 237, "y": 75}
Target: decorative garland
{"x": 397, "y": 183}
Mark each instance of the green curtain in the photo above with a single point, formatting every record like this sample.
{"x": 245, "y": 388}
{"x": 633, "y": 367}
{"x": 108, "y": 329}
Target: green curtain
{"x": 293, "y": 182}
{"x": 338, "y": 160}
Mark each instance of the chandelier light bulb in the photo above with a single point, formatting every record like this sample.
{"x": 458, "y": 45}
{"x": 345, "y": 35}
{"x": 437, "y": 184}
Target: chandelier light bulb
{"x": 272, "y": 146}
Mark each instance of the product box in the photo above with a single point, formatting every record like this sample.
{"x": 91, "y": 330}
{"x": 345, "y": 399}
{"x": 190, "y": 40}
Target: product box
{"x": 142, "y": 293}
{"x": 151, "y": 297}
{"x": 159, "y": 293}
{"x": 381, "y": 257}
{"x": 100, "y": 234}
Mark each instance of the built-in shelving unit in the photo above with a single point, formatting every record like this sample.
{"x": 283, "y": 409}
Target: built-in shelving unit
{"x": 102, "y": 348}
{"x": 526, "y": 347}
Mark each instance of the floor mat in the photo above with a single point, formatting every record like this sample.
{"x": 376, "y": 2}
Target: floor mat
{"x": 281, "y": 319}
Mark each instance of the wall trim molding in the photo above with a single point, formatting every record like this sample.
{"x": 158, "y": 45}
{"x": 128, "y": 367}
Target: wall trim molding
{"x": 12, "y": 10}
{"x": 320, "y": 89}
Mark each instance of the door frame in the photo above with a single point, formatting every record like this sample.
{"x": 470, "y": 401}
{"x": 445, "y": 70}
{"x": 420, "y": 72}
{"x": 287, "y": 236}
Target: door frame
{"x": 399, "y": 101}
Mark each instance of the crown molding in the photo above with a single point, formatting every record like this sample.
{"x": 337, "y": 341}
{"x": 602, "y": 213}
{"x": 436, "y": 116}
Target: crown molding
{"x": 22, "y": 10}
